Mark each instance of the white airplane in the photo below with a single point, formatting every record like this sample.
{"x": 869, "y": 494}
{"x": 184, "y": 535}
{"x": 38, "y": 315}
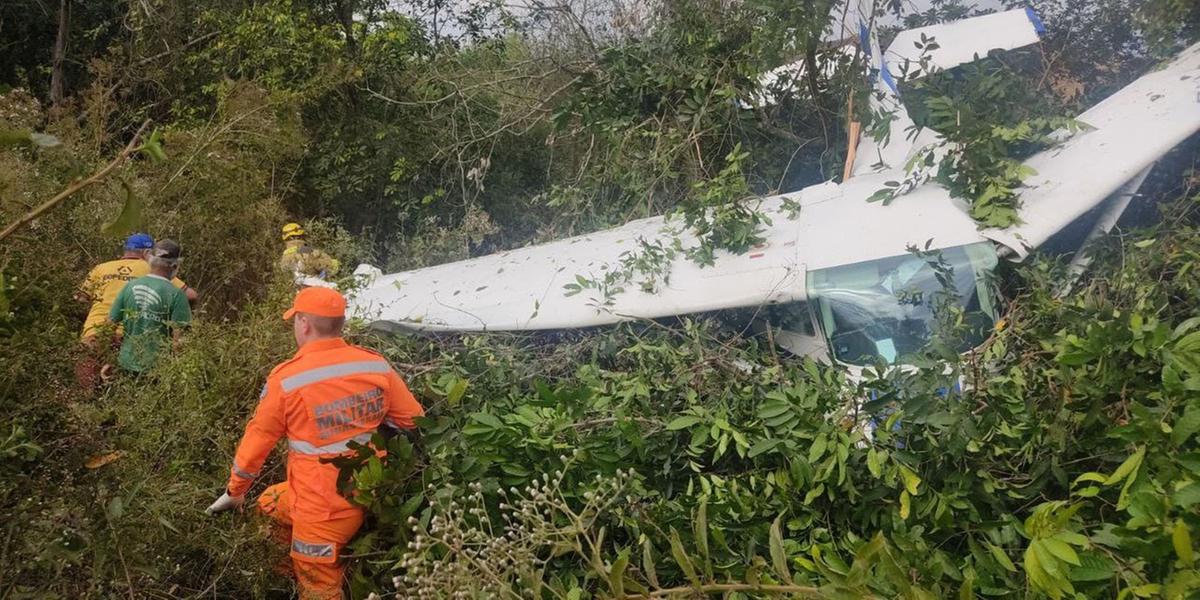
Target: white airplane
{"x": 840, "y": 267}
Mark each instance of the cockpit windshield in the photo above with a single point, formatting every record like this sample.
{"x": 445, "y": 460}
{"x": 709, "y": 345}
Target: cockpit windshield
{"x": 884, "y": 309}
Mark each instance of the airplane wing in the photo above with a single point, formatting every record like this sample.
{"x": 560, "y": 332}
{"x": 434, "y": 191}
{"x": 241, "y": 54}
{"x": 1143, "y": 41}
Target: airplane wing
{"x": 1125, "y": 134}
{"x": 957, "y": 43}
{"x": 525, "y": 289}
{"x": 960, "y": 42}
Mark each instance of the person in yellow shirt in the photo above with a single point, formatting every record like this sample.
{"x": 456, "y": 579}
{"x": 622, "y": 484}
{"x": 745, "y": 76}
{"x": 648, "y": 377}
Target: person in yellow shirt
{"x": 101, "y": 288}
{"x": 302, "y": 260}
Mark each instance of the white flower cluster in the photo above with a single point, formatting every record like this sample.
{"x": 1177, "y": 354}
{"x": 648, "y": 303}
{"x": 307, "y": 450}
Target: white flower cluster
{"x": 471, "y": 549}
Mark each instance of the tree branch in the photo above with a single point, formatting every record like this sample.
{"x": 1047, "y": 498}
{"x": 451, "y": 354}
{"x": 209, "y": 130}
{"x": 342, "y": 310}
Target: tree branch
{"x": 78, "y": 184}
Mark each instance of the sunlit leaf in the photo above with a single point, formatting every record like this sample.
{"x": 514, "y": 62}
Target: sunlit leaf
{"x": 1062, "y": 551}
{"x": 912, "y": 482}
{"x": 648, "y": 568}
{"x": 455, "y": 394}
{"x": 1127, "y": 467}
{"x": 700, "y": 533}
{"x": 778, "y": 555}
{"x": 152, "y": 147}
{"x": 682, "y": 422}
{"x": 131, "y": 214}
{"x": 1001, "y": 557}
{"x": 682, "y": 559}
{"x": 1181, "y": 538}
{"x": 616, "y": 575}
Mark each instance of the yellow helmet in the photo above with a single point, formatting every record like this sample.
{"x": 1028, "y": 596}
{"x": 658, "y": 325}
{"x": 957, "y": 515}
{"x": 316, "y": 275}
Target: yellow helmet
{"x": 292, "y": 230}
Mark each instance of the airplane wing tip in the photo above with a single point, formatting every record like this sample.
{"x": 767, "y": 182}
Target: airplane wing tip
{"x": 1038, "y": 25}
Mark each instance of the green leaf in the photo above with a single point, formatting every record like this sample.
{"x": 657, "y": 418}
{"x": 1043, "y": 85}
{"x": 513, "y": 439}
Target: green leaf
{"x": 1187, "y": 425}
{"x": 912, "y": 482}
{"x": 682, "y": 422}
{"x": 10, "y": 138}
{"x": 814, "y": 493}
{"x": 700, "y": 533}
{"x": 648, "y": 563}
{"x": 1186, "y": 496}
{"x": 905, "y": 504}
{"x": 1093, "y": 477}
{"x": 817, "y": 449}
{"x": 456, "y": 392}
{"x": 1092, "y": 567}
{"x": 1183, "y": 356}
{"x": 884, "y": 194}
{"x": 488, "y": 419}
{"x": 1181, "y": 538}
{"x": 1061, "y": 550}
{"x": 1072, "y": 538}
{"x": 131, "y": 214}
{"x": 874, "y": 462}
{"x": 1127, "y": 467}
{"x": 1038, "y": 576}
{"x": 682, "y": 558}
{"x": 616, "y": 575}
{"x": 152, "y": 147}
{"x": 1001, "y": 557}
{"x": 762, "y": 446}
{"x": 773, "y": 409}
{"x": 967, "y": 590}
{"x": 778, "y": 555}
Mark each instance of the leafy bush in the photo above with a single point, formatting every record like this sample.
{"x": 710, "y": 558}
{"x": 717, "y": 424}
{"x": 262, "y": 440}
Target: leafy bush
{"x": 673, "y": 457}
{"x": 98, "y": 489}
{"x": 1064, "y": 464}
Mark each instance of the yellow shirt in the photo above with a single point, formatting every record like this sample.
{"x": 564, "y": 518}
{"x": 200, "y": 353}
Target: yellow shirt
{"x": 103, "y": 284}
{"x": 306, "y": 260}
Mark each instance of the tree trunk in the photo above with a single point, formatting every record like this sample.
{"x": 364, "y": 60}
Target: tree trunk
{"x": 345, "y": 16}
{"x": 60, "y": 53}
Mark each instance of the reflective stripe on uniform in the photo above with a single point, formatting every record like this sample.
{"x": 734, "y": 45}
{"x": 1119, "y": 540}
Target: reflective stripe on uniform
{"x": 335, "y": 448}
{"x": 314, "y": 550}
{"x": 243, "y": 474}
{"x": 339, "y": 370}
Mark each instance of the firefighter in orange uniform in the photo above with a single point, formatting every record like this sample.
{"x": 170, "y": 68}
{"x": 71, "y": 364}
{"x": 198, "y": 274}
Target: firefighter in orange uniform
{"x": 329, "y": 394}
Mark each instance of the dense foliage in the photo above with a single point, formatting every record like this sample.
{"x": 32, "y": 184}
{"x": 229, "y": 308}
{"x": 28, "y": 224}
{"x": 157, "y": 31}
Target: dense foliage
{"x": 1066, "y": 462}
{"x": 1060, "y": 460}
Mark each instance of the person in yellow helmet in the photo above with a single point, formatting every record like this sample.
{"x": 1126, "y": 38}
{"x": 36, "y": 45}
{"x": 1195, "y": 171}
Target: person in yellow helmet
{"x": 302, "y": 260}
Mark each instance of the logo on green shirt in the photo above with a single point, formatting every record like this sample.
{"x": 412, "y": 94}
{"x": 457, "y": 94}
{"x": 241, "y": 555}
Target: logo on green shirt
{"x": 150, "y": 308}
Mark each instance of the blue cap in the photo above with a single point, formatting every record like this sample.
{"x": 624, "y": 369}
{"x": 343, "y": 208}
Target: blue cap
{"x": 139, "y": 241}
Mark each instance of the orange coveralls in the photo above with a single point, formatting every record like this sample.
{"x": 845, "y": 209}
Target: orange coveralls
{"x": 327, "y": 395}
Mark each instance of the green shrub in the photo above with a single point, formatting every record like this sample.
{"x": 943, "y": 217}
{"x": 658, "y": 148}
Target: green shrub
{"x": 1065, "y": 465}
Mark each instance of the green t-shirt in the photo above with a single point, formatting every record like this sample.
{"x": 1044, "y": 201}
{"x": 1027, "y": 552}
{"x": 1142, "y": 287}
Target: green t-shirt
{"x": 148, "y": 307}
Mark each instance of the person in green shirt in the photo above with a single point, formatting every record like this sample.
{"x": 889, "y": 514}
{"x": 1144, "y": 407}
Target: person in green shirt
{"x": 151, "y": 309}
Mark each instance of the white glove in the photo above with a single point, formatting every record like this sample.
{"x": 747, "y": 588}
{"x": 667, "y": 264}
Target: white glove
{"x": 225, "y": 502}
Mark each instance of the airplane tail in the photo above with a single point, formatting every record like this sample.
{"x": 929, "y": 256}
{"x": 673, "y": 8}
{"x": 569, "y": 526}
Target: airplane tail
{"x": 915, "y": 53}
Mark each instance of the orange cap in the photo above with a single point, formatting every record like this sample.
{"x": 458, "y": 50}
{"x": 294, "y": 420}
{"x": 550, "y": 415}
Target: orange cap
{"x": 319, "y": 301}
